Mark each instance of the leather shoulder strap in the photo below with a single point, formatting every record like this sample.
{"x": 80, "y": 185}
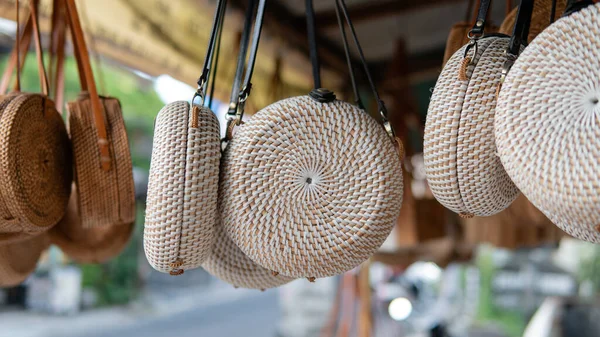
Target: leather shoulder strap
{"x": 482, "y": 15}
{"x": 33, "y": 5}
{"x": 19, "y": 51}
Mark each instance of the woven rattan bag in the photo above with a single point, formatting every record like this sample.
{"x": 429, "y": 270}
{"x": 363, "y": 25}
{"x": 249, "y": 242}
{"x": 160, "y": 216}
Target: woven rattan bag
{"x": 462, "y": 168}
{"x": 548, "y": 123}
{"x": 316, "y": 185}
{"x": 35, "y": 157}
{"x": 102, "y": 161}
{"x": 181, "y": 210}
{"x": 19, "y": 259}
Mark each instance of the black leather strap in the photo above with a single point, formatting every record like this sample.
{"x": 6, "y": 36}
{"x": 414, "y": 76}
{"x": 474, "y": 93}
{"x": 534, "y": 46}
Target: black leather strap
{"x": 574, "y": 6}
{"x": 312, "y": 43}
{"x": 215, "y": 65}
{"x": 343, "y": 11}
{"x": 342, "y": 25}
{"x": 203, "y": 79}
{"x": 241, "y": 61}
{"x": 482, "y": 14}
{"x": 247, "y": 84}
{"x": 521, "y": 30}
{"x": 553, "y": 12}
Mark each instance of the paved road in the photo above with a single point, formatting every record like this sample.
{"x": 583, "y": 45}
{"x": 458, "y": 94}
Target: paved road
{"x": 250, "y": 316}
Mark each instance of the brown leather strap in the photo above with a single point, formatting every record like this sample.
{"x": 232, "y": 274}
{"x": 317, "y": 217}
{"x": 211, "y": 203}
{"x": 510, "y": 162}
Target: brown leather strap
{"x": 20, "y": 50}
{"x": 83, "y": 59}
{"x": 57, "y": 52}
{"x": 33, "y": 5}
{"x": 509, "y": 6}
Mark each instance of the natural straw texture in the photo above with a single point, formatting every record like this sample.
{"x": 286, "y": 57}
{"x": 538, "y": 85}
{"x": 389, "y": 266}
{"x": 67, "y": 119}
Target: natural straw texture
{"x": 462, "y": 168}
{"x": 540, "y": 18}
{"x": 548, "y": 123}
{"x": 315, "y": 188}
{"x": 18, "y": 260}
{"x": 88, "y": 245}
{"x": 183, "y": 187}
{"x": 106, "y": 197}
{"x": 35, "y": 164}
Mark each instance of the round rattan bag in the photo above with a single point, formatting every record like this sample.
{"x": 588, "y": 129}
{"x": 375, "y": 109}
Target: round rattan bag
{"x": 461, "y": 165}
{"x": 35, "y": 164}
{"x": 19, "y": 259}
{"x": 183, "y": 187}
{"x": 548, "y": 123}
{"x": 315, "y": 188}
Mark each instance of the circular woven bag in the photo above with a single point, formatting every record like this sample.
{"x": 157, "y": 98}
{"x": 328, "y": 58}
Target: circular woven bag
{"x": 548, "y": 124}
{"x": 315, "y": 188}
{"x": 182, "y": 188}
{"x": 88, "y": 245}
{"x": 461, "y": 164}
{"x": 19, "y": 259}
{"x": 35, "y": 164}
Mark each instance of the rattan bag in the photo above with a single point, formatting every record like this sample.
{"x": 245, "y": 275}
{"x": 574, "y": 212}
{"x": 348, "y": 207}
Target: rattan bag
{"x": 181, "y": 210}
{"x": 35, "y": 157}
{"x": 461, "y": 164}
{"x": 548, "y": 123}
{"x": 315, "y": 185}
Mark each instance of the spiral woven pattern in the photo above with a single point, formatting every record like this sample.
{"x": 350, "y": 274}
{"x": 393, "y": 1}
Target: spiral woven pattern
{"x": 548, "y": 123}
{"x": 19, "y": 259}
{"x": 106, "y": 198}
{"x": 35, "y": 164}
{"x": 462, "y": 168}
{"x": 315, "y": 188}
{"x": 183, "y": 187}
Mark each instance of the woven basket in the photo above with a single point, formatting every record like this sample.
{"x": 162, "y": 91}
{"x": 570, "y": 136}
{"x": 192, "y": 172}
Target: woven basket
{"x": 461, "y": 165}
{"x": 19, "y": 259}
{"x": 88, "y": 245}
{"x": 540, "y": 18}
{"x": 106, "y": 197}
{"x": 183, "y": 188}
{"x": 548, "y": 124}
{"x": 35, "y": 164}
{"x": 315, "y": 188}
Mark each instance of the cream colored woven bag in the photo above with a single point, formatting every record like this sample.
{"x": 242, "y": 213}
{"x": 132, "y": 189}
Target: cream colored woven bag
{"x": 548, "y": 123}
{"x": 182, "y": 188}
{"x": 462, "y": 168}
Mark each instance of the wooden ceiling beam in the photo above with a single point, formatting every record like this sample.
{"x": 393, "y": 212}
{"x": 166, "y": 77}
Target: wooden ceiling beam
{"x": 372, "y": 11}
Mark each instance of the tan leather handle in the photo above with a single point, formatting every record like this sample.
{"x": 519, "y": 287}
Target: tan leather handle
{"x": 57, "y": 51}
{"x": 33, "y": 4}
{"x": 19, "y": 52}
{"x": 83, "y": 59}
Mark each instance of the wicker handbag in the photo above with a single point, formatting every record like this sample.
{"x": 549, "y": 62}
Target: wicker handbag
{"x": 461, "y": 165}
{"x": 548, "y": 125}
{"x": 316, "y": 185}
{"x": 184, "y": 179}
{"x": 35, "y": 157}
{"x": 102, "y": 161}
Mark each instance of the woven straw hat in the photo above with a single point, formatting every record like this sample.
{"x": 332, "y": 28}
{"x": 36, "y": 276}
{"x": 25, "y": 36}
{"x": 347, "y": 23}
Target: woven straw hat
{"x": 548, "y": 124}
{"x": 183, "y": 188}
{"x": 88, "y": 245}
{"x": 315, "y": 188}
{"x": 35, "y": 164}
{"x": 19, "y": 259}
{"x": 462, "y": 168}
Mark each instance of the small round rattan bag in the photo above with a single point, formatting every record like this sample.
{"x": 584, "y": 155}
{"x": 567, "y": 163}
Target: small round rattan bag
{"x": 181, "y": 209}
{"x": 315, "y": 186}
{"x": 548, "y": 123}
{"x": 461, "y": 164}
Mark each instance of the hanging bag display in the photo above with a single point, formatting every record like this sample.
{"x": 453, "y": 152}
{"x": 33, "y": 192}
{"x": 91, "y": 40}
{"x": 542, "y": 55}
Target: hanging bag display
{"x": 548, "y": 122}
{"x": 102, "y": 161}
{"x": 35, "y": 156}
{"x": 226, "y": 261}
{"x": 313, "y": 185}
{"x": 181, "y": 209}
{"x": 461, "y": 165}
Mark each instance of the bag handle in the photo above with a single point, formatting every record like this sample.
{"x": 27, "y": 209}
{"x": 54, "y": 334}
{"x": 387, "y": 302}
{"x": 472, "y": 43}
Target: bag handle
{"x": 342, "y": 11}
{"x": 57, "y": 51}
{"x": 33, "y": 5}
{"x": 246, "y": 85}
{"x": 353, "y": 82}
{"x": 481, "y": 18}
{"x": 521, "y": 29}
{"x": 17, "y": 56}
{"x": 204, "y": 76}
{"x": 87, "y": 76}
{"x": 312, "y": 43}
{"x": 215, "y": 65}
{"x": 574, "y": 6}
